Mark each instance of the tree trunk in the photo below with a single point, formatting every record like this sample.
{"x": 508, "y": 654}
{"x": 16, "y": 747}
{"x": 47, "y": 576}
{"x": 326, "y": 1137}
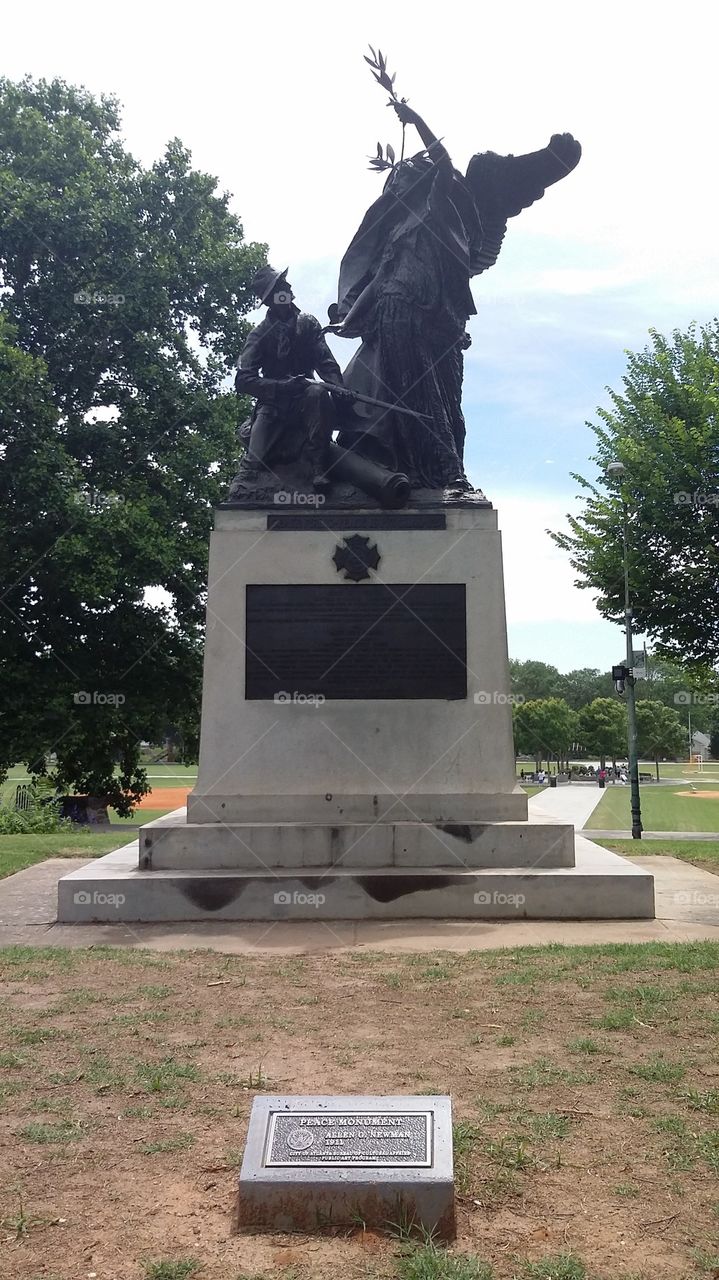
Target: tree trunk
{"x": 656, "y": 761}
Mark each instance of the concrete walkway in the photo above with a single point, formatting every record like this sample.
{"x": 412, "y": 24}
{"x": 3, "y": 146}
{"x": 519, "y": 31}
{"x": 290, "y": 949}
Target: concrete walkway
{"x": 573, "y": 803}
{"x": 687, "y": 910}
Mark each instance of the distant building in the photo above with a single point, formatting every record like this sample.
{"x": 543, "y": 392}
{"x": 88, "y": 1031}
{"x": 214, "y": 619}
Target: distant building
{"x": 700, "y": 745}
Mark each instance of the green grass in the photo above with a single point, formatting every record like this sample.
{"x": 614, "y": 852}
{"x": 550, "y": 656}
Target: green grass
{"x": 430, "y": 1262}
{"x": 179, "y": 1143}
{"x": 18, "y": 852}
{"x": 161, "y": 1077}
{"x": 543, "y": 1072}
{"x": 658, "y": 1071}
{"x": 548, "y": 1124}
{"x": 616, "y": 1020}
{"x": 465, "y": 1135}
{"x": 180, "y": 1270}
{"x": 510, "y": 1152}
{"x": 12, "y": 1061}
{"x": 37, "y": 1035}
{"x": 706, "y": 1261}
{"x": 703, "y": 853}
{"x": 584, "y": 1044}
{"x": 139, "y": 817}
{"x": 626, "y": 1189}
{"x": 563, "y": 1266}
{"x": 56, "y": 1134}
{"x": 662, "y": 809}
{"x": 702, "y": 1100}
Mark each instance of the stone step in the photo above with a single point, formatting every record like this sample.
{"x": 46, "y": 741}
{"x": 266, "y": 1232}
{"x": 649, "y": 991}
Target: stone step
{"x": 340, "y": 806}
{"x": 602, "y": 886}
{"x": 355, "y": 846}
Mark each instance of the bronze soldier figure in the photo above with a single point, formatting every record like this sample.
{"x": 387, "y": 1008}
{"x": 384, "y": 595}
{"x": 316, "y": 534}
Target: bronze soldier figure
{"x": 276, "y": 366}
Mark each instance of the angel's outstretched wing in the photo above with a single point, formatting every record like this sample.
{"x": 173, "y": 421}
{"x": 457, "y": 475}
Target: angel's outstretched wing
{"x": 504, "y": 185}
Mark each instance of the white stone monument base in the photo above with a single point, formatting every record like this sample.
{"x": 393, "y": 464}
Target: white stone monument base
{"x": 330, "y": 700}
{"x": 600, "y": 886}
{"x": 356, "y": 757}
{"x": 356, "y": 847}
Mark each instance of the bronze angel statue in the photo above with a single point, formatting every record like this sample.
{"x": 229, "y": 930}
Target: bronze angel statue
{"x": 404, "y": 289}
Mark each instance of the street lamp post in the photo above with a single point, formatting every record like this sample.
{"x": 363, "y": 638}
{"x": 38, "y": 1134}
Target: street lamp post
{"x": 617, "y": 469}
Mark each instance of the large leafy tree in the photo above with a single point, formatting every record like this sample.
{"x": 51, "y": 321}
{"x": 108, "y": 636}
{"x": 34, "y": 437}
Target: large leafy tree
{"x": 660, "y": 732}
{"x": 603, "y": 729}
{"x": 691, "y": 693}
{"x": 584, "y": 684}
{"x": 123, "y": 292}
{"x": 664, "y": 428}
{"x": 531, "y": 680}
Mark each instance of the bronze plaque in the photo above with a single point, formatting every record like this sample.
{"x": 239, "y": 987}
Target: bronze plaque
{"x": 349, "y": 1137}
{"x": 352, "y": 641}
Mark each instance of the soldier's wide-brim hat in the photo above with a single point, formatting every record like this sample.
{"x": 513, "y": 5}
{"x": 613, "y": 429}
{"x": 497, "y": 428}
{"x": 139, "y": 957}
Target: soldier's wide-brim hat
{"x": 266, "y": 281}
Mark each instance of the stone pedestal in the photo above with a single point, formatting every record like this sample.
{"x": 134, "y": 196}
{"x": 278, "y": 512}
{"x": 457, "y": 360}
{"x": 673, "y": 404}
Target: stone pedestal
{"x": 294, "y": 646}
{"x": 356, "y": 756}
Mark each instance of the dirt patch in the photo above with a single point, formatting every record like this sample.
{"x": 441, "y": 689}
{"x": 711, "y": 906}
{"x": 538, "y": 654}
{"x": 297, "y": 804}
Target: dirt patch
{"x": 699, "y": 795}
{"x": 585, "y": 1089}
{"x": 165, "y": 798}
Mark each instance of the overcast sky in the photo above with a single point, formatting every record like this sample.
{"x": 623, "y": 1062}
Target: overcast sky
{"x": 276, "y": 100}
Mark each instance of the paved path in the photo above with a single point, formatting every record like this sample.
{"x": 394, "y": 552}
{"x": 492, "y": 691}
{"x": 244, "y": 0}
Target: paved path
{"x": 652, "y": 835}
{"x": 687, "y": 911}
{"x": 573, "y": 803}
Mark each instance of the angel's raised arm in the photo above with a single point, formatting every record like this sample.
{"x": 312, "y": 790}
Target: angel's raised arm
{"x": 435, "y": 148}
{"x": 408, "y": 116}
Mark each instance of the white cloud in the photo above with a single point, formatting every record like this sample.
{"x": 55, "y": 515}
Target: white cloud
{"x": 548, "y": 617}
{"x": 539, "y": 581}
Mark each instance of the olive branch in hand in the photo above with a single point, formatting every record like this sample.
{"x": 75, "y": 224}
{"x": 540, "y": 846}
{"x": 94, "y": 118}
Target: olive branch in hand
{"x": 384, "y": 159}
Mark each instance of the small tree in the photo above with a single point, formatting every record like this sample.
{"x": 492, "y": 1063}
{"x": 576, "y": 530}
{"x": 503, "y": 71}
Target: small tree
{"x": 546, "y": 729}
{"x": 603, "y": 729}
{"x": 664, "y": 428}
{"x": 660, "y": 731}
